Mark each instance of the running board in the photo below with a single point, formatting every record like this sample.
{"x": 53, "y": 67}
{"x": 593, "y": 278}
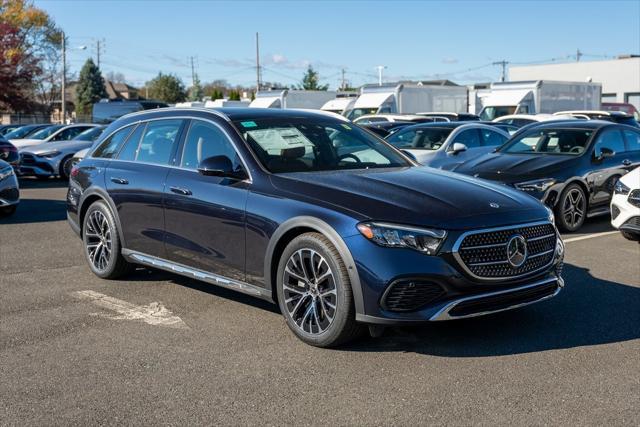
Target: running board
{"x": 183, "y": 270}
{"x": 599, "y": 211}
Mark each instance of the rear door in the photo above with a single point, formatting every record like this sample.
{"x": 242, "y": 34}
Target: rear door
{"x": 135, "y": 180}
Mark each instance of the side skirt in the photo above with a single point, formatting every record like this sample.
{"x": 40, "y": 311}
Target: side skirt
{"x": 183, "y": 270}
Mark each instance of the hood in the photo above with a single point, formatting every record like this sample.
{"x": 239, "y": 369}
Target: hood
{"x": 510, "y": 168}
{"x": 20, "y": 143}
{"x": 419, "y": 196}
{"x": 62, "y": 146}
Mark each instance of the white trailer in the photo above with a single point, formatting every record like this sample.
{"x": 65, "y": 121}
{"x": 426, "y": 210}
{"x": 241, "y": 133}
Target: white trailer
{"x": 225, "y": 103}
{"x": 343, "y": 102}
{"x": 289, "y": 98}
{"x": 539, "y": 96}
{"x": 406, "y": 98}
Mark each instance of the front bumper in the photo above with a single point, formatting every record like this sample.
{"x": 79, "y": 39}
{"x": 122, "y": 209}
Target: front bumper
{"x": 9, "y": 191}
{"x": 463, "y": 295}
{"x": 32, "y": 165}
{"x": 623, "y": 213}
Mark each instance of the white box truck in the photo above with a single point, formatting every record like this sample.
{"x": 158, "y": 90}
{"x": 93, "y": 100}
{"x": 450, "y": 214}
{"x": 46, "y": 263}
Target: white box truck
{"x": 539, "y": 96}
{"x": 290, "y": 98}
{"x": 342, "y": 102}
{"x": 409, "y": 98}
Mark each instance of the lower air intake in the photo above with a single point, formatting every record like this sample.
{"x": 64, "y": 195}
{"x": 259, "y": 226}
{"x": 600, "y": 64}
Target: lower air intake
{"x": 411, "y": 295}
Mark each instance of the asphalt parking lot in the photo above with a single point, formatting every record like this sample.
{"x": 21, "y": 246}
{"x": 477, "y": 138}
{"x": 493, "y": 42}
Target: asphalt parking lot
{"x": 69, "y": 355}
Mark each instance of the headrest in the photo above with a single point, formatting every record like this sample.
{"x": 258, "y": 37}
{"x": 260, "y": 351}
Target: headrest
{"x": 292, "y": 153}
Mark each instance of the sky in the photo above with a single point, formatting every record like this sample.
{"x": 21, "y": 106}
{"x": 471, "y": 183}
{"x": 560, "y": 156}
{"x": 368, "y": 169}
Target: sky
{"x": 456, "y": 40}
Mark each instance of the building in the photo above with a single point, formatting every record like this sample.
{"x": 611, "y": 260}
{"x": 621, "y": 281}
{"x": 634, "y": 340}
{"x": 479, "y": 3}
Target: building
{"x": 120, "y": 90}
{"x": 620, "y": 77}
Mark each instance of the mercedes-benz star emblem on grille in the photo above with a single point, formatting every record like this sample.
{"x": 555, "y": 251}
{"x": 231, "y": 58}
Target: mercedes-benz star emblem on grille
{"x": 494, "y": 205}
{"x": 516, "y": 251}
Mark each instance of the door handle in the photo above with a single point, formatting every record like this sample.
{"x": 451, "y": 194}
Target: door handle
{"x": 627, "y": 162}
{"x": 120, "y": 181}
{"x": 182, "y": 191}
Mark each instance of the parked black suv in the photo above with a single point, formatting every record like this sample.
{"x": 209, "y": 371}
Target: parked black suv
{"x": 311, "y": 211}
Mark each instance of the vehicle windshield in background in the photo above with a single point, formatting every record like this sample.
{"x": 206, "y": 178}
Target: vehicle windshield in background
{"x": 550, "y": 141}
{"x": 304, "y": 145}
{"x": 420, "y": 139}
{"x": 22, "y": 132}
{"x": 490, "y": 113}
{"x": 46, "y": 132}
{"x": 90, "y": 134}
{"x": 357, "y": 112}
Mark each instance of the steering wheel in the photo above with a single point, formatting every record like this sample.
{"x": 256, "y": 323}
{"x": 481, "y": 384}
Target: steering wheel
{"x": 577, "y": 149}
{"x": 349, "y": 155}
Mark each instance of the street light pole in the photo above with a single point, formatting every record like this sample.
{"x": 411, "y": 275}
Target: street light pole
{"x": 380, "y": 68}
{"x": 64, "y": 79}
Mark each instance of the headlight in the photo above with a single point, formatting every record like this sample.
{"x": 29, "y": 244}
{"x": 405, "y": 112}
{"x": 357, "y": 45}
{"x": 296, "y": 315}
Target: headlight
{"x": 422, "y": 240}
{"x": 620, "y": 188}
{"x": 6, "y": 173}
{"x": 540, "y": 185}
{"x": 49, "y": 154}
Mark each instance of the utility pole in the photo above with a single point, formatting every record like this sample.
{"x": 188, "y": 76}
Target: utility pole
{"x": 380, "y": 68}
{"x": 578, "y": 55}
{"x": 64, "y": 79}
{"x": 342, "y": 85}
{"x": 99, "y": 51}
{"x": 504, "y": 69}
{"x": 193, "y": 73}
{"x": 257, "y": 64}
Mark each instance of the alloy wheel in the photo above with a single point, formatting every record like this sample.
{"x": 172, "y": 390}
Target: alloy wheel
{"x": 573, "y": 207}
{"x": 310, "y": 291}
{"x": 98, "y": 240}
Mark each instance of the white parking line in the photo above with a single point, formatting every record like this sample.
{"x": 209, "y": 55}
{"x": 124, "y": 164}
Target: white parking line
{"x": 590, "y": 236}
{"x": 153, "y": 314}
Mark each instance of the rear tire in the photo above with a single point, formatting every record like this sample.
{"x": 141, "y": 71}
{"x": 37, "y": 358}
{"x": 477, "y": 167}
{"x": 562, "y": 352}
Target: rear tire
{"x": 101, "y": 241}
{"x": 314, "y": 292}
{"x": 571, "y": 209}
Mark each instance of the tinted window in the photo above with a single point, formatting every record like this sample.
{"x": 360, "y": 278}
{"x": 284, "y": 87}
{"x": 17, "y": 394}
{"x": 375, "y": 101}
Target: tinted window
{"x": 205, "y": 140}
{"x": 549, "y": 141}
{"x": 611, "y": 139}
{"x": 130, "y": 148}
{"x": 111, "y": 145}
{"x": 315, "y": 144}
{"x": 22, "y": 132}
{"x": 90, "y": 134}
{"x": 633, "y": 140}
{"x": 106, "y": 112}
{"x": 469, "y": 137}
{"x": 158, "y": 141}
{"x": 46, "y": 132}
{"x": 491, "y": 138}
{"x": 68, "y": 134}
{"x": 420, "y": 139}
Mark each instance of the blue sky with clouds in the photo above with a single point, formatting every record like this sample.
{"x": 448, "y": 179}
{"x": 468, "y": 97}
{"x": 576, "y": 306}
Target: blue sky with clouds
{"x": 458, "y": 40}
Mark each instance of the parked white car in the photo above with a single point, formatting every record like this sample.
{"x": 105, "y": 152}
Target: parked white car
{"x": 625, "y": 205}
{"x": 53, "y": 133}
{"x": 526, "y": 119}
{"x": 375, "y": 118}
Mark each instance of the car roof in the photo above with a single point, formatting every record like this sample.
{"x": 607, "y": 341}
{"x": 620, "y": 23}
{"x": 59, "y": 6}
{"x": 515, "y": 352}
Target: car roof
{"x": 573, "y": 124}
{"x": 451, "y": 125}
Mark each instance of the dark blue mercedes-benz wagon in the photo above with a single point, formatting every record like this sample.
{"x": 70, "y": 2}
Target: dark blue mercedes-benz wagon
{"x": 312, "y": 212}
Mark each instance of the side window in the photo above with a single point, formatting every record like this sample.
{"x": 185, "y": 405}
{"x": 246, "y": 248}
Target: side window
{"x": 633, "y": 140}
{"x": 491, "y": 138}
{"x": 611, "y": 139}
{"x": 158, "y": 141}
{"x": 130, "y": 148}
{"x": 468, "y": 137}
{"x": 206, "y": 140}
{"x": 110, "y": 147}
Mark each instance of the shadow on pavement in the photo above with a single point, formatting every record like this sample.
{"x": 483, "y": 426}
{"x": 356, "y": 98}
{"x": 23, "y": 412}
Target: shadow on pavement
{"x": 589, "y": 311}
{"x": 28, "y": 183}
{"x": 37, "y": 210}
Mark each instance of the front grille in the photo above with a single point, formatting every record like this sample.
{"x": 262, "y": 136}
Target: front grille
{"x": 503, "y": 301}
{"x": 27, "y": 159}
{"x": 634, "y": 198}
{"x": 410, "y": 295}
{"x": 614, "y": 211}
{"x": 484, "y": 253}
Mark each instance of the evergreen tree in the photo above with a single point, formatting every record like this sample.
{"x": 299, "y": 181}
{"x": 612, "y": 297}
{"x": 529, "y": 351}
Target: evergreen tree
{"x": 195, "y": 92}
{"x": 234, "y": 95}
{"x": 167, "y": 88}
{"x": 90, "y": 88}
{"x": 311, "y": 80}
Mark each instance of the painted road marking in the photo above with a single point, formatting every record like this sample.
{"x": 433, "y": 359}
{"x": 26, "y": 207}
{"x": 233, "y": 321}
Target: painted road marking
{"x": 590, "y": 236}
{"x": 153, "y": 314}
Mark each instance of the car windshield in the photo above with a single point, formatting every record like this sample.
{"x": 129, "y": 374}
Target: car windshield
{"x": 490, "y": 113}
{"x": 357, "y": 112}
{"x": 46, "y": 132}
{"x": 303, "y": 145}
{"x": 90, "y": 134}
{"x": 21, "y": 132}
{"x": 420, "y": 138}
{"x": 550, "y": 141}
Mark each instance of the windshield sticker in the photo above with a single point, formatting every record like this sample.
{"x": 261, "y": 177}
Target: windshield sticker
{"x": 347, "y": 127}
{"x": 275, "y": 140}
{"x": 249, "y": 124}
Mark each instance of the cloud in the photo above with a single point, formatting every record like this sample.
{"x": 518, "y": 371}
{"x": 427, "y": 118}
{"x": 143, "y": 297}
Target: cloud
{"x": 449, "y": 60}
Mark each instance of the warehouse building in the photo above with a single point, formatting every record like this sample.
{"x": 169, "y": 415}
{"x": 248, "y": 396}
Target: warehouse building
{"x": 620, "y": 77}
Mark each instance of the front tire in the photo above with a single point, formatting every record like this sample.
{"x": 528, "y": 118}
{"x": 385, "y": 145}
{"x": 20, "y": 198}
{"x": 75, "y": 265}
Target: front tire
{"x": 8, "y": 210}
{"x": 571, "y": 209}
{"x": 630, "y": 236}
{"x": 65, "y": 167}
{"x": 314, "y": 292}
{"x": 101, "y": 242}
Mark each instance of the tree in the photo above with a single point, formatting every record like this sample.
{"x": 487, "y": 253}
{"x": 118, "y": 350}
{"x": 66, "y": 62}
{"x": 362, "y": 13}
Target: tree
{"x": 195, "y": 92}
{"x": 167, "y": 88}
{"x": 18, "y": 69}
{"x": 311, "y": 80}
{"x": 234, "y": 95}
{"x": 116, "y": 77}
{"x": 90, "y": 88}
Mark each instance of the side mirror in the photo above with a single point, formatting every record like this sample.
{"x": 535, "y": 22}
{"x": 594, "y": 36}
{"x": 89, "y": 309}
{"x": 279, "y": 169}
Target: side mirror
{"x": 458, "y": 148}
{"x": 220, "y": 166}
{"x": 604, "y": 152}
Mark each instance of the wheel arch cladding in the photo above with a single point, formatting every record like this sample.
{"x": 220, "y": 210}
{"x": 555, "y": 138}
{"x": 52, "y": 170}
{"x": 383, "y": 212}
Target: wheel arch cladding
{"x": 289, "y": 230}
{"x": 93, "y": 196}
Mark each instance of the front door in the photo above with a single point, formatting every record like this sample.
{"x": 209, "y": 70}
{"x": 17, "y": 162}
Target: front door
{"x": 205, "y": 215}
{"x": 606, "y": 170}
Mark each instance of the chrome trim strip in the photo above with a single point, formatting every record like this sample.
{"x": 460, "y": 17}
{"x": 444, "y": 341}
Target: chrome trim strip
{"x": 540, "y": 238}
{"x": 456, "y": 249}
{"x": 443, "y": 313}
{"x": 183, "y": 270}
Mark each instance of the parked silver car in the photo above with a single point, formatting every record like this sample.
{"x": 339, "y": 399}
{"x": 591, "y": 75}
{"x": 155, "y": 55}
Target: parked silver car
{"x": 55, "y": 158}
{"x": 446, "y": 145}
{"x": 9, "y": 191}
